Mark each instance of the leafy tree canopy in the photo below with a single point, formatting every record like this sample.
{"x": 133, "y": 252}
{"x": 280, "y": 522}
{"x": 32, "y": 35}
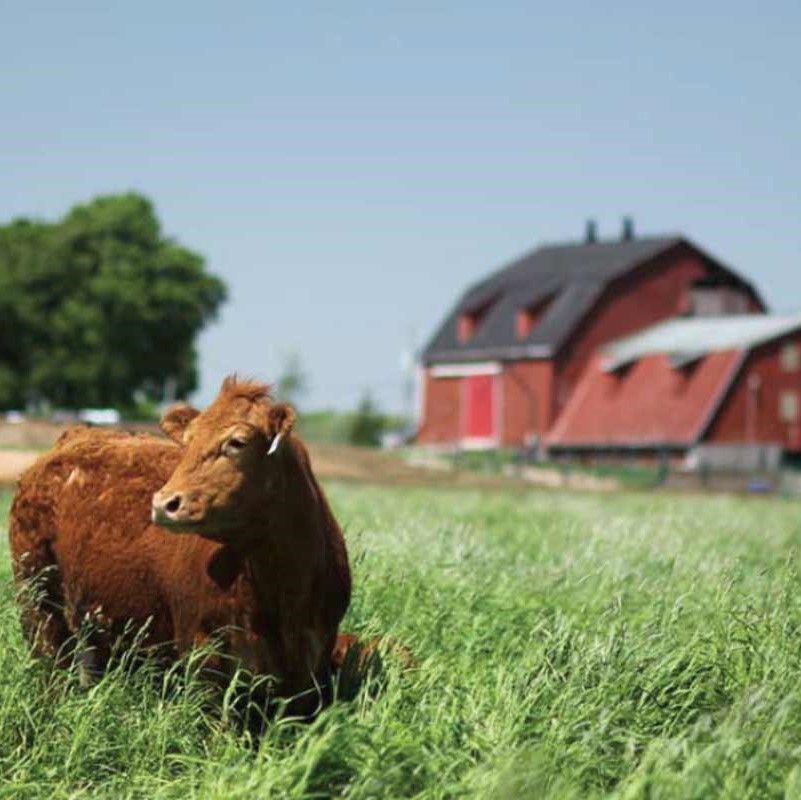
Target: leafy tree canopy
{"x": 100, "y": 308}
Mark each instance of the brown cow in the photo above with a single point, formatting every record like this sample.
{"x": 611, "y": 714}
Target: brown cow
{"x": 223, "y": 531}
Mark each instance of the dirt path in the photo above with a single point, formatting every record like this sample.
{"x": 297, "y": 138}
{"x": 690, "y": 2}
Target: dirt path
{"x": 21, "y": 444}
{"x": 13, "y": 462}
{"x": 362, "y": 465}
{"x": 331, "y": 462}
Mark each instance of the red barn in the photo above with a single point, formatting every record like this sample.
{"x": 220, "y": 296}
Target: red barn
{"x": 688, "y": 383}
{"x": 507, "y": 358}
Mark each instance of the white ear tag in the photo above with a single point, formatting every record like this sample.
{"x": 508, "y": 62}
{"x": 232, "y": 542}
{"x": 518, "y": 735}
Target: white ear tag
{"x": 275, "y": 443}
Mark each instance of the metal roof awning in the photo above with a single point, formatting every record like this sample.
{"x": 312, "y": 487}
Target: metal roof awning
{"x": 688, "y": 339}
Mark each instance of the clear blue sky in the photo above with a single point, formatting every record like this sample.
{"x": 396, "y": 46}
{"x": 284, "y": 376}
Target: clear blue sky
{"x": 349, "y": 168}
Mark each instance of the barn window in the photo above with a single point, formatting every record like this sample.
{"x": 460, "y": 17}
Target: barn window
{"x": 788, "y": 406}
{"x": 790, "y": 358}
{"x": 711, "y": 297}
{"x": 469, "y": 321}
{"x": 467, "y": 327}
{"x": 528, "y": 318}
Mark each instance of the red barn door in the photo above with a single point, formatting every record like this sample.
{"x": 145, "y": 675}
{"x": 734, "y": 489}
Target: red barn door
{"x": 479, "y": 407}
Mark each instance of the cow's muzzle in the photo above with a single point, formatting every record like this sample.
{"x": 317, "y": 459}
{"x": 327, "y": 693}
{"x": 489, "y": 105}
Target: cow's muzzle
{"x": 168, "y": 509}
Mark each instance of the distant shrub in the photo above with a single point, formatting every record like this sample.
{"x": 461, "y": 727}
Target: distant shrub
{"x": 368, "y": 424}
{"x": 338, "y": 427}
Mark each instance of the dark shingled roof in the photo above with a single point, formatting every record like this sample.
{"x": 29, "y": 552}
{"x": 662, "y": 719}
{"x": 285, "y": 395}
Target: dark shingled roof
{"x": 571, "y": 277}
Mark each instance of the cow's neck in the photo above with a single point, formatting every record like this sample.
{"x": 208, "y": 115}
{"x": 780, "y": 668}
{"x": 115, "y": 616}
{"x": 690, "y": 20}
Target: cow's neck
{"x": 285, "y": 564}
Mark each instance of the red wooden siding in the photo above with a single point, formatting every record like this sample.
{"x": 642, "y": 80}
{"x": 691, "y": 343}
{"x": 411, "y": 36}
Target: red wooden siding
{"x": 522, "y": 405}
{"x": 655, "y": 292}
{"x": 751, "y": 410}
{"x": 527, "y": 400}
{"x": 442, "y": 410}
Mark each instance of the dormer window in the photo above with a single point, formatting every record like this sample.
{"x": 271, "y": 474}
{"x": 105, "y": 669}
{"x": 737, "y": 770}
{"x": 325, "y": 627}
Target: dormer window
{"x": 469, "y": 321}
{"x": 528, "y": 318}
{"x": 467, "y": 327}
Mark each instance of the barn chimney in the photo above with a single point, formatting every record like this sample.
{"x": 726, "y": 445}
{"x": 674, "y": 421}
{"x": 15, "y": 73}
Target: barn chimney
{"x": 627, "y": 234}
{"x": 591, "y": 235}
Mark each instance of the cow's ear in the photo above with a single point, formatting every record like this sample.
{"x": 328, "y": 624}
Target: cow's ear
{"x": 175, "y": 420}
{"x": 280, "y": 421}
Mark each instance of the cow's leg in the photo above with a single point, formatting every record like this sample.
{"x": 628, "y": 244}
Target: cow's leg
{"x": 89, "y": 667}
{"x": 41, "y": 599}
{"x": 342, "y": 646}
{"x": 94, "y": 640}
{"x": 355, "y": 660}
{"x": 350, "y": 649}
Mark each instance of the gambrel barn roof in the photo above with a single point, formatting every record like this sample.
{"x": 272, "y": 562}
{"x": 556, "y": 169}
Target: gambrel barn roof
{"x": 566, "y": 281}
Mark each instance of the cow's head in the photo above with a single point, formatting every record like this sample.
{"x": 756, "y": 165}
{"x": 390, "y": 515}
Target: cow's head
{"x": 230, "y": 467}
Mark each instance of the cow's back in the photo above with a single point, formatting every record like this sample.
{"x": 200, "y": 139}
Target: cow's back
{"x": 81, "y": 518}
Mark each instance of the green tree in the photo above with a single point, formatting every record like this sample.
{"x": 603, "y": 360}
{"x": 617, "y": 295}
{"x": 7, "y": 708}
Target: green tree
{"x": 100, "y": 307}
{"x": 368, "y": 423}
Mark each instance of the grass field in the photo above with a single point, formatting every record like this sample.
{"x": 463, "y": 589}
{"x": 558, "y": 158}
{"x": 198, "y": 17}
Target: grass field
{"x": 567, "y": 646}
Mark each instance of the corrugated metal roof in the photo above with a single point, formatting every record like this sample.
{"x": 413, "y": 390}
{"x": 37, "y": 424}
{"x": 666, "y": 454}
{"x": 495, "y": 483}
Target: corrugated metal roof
{"x": 571, "y": 277}
{"x": 687, "y": 339}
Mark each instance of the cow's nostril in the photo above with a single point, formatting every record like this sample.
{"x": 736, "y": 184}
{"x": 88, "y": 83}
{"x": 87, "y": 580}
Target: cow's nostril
{"x": 173, "y": 504}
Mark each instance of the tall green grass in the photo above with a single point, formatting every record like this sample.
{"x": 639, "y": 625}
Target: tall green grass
{"x": 632, "y": 646}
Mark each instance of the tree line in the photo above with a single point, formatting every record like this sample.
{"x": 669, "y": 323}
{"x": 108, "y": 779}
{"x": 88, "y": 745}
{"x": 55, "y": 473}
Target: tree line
{"x": 100, "y": 308}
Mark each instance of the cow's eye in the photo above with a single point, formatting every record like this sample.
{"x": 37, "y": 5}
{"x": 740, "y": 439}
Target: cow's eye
{"x": 235, "y": 443}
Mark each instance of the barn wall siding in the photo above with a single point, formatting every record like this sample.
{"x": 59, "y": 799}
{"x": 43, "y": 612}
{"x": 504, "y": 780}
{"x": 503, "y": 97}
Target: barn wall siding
{"x": 527, "y": 392}
{"x": 640, "y": 299}
{"x": 441, "y": 410}
{"x": 524, "y": 399}
{"x": 752, "y": 414}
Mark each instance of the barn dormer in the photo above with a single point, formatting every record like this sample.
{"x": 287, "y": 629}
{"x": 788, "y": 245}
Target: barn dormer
{"x": 470, "y": 321}
{"x": 529, "y": 317}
